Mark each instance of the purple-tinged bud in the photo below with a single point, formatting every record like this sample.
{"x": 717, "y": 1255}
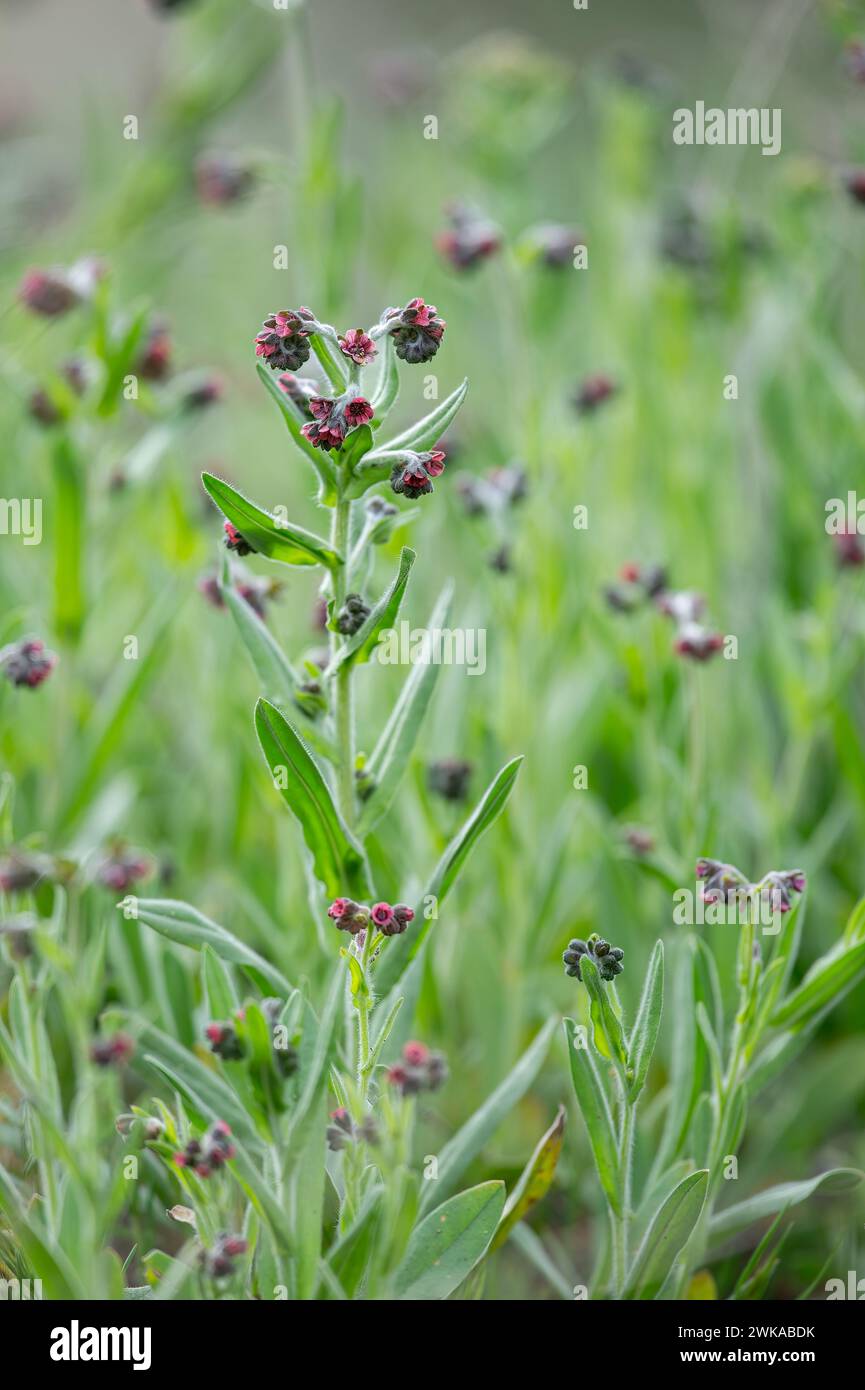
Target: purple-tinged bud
{"x": 418, "y": 1070}
{"x": 27, "y": 663}
{"x": 123, "y": 867}
{"x": 48, "y": 292}
{"x": 721, "y": 882}
{"x": 358, "y": 346}
{"x": 22, "y": 870}
{"x": 640, "y": 841}
{"x": 340, "y": 1132}
{"x": 450, "y": 778}
{"x": 222, "y": 179}
{"x": 348, "y": 915}
{"x": 417, "y": 330}
{"x": 112, "y": 1052}
{"x": 592, "y": 393}
{"x": 208, "y": 586}
{"x": 204, "y": 393}
{"x": 352, "y": 615}
{"x": 470, "y": 238}
{"x": 218, "y": 1263}
{"x": 154, "y": 359}
{"x": 283, "y": 343}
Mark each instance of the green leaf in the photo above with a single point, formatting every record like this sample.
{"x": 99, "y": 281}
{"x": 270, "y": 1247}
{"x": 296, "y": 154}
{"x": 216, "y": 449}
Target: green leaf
{"x": 362, "y": 644}
{"x": 294, "y": 423}
{"x": 828, "y": 980}
{"x": 667, "y": 1234}
{"x": 44, "y": 1258}
{"x": 445, "y": 874}
{"x": 386, "y": 391}
{"x": 337, "y": 858}
{"x": 357, "y": 444}
{"x": 218, "y": 985}
{"x": 429, "y": 430}
{"x": 774, "y": 1199}
{"x": 201, "y": 1083}
{"x": 466, "y": 1144}
{"x": 392, "y": 752}
{"x": 277, "y": 540}
{"x": 189, "y": 927}
{"x": 644, "y": 1034}
{"x": 607, "y": 1032}
{"x": 448, "y": 1243}
{"x": 595, "y": 1110}
{"x": 534, "y": 1181}
{"x": 69, "y": 539}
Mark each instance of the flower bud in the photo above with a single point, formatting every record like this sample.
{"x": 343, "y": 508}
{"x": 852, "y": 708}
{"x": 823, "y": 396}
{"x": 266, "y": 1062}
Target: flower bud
{"x": 112, "y": 1052}
{"x": 235, "y": 542}
{"x": 21, "y": 870}
{"x": 418, "y": 1070}
{"x": 348, "y": 915}
{"x": 414, "y": 477}
{"x": 417, "y": 330}
{"x": 594, "y": 392}
{"x": 154, "y": 359}
{"x": 224, "y": 1041}
{"x": 698, "y": 642}
{"x": 49, "y": 293}
{"x": 470, "y": 238}
{"x": 123, "y": 867}
{"x": 607, "y": 958}
{"x": 222, "y": 179}
{"x": 849, "y": 551}
{"x": 449, "y": 778}
{"x": 27, "y": 663}
{"x": 283, "y": 342}
{"x": 352, "y": 615}
{"x": 218, "y": 1263}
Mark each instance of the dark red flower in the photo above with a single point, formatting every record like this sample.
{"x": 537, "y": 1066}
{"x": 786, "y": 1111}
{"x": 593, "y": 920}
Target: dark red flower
{"x": 205, "y": 1156}
{"x": 348, "y": 915}
{"x": 235, "y": 542}
{"x": 358, "y": 346}
{"x": 593, "y": 392}
{"x": 284, "y": 339}
{"x": 413, "y": 478}
{"x": 469, "y": 240}
{"x": 122, "y": 868}
{"x": 27, "y": 663}
{"x": 48, "y": 292}
{"x": 154, "y": 360}
{"x": 224, "y": 1041}
{"x": 698, "y": 642}
{"x": 417, "y": 330}
{"x": 204, "y": 393}
{"x": 112, "y": 1052}
{"x": 382, "y": 916}
{"x": 848, "y": 549}
{"x": 334, "y": 419}
{"x": 419, "y": 1070}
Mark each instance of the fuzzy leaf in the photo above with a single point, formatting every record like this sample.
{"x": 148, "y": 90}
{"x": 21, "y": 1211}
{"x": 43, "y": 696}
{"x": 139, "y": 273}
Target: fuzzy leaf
{"x": 774, "y": 1199}
{"x": 338, "y": 860}
{"x": 534, "y": 1181}
{"x": 447, "y": 1245}
{"x": 644, "y": 1035}
{"x": 667, "y": 1234}
{"x": 282, "y": 541}
{"x": 189, "y": 927}
{"x": 429, "y": 430}
{"x": 828, "y": 980}
{"x": 362, "y": 644}
{"x": 595, "y": 1110}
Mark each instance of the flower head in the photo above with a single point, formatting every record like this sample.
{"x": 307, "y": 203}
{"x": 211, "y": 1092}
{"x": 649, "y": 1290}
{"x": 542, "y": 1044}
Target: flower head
{"x": 698, "y": 642}
{"x": 334, "y": 419}
{"x": 218, "y": 1263}
{"x": 849, "y": 551}
{"x": 284, "y": 339}
{"x": 223, "y": 179}
{"x": 348, "y": 915}
{"x": 469, "y": 239}
{"x": 594, "y": 392}
{"x": 419, "y": 1069}
{"x": 154, "y": 359}
{"x": 607, "y": 958}
{"x": 115, "y": 1051}
{"x": 27, "y": 663}
{"x": 207, "y": 1155}
{"x": 358, "y": 346}
{"x": 235, "y": 542}
{"x": 123, "y": 867}
{"x": 352, "y": 615}
{"x": 224, "y": 1041}
{"x": 299, "y": 389}
{"x": 414, "y": 478}
{"x": 449, "y": 778}
{"x": 22, "y": 870}
{"x": 49, "y": 293}
{"x": 417, "y": 331}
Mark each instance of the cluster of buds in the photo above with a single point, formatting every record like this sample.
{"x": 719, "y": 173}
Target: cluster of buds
{"x": 332, "y": 420}
{"x": 352, "y": 615}
{"x": 299, "y": 390}
{"x": 607, "y": 958}
{"x": 449, "y": 778}
{"x": 22, "y": 870}
{"x": 122, "y": 867}
{"x": 283, "y": 342}
{"x": 354, "y": 917}
{"x": 492, "y": 493}
{"x": 206, "y": 1156}
{"x": 469, "y": 238}
{"x": 226, "y": 1044}
{"x": 235, "y": 542}
{"x": 223, "y": 179}
{"x": 218, "y": 1263}
{"x": 27, "y": 663}
{"x": 725, "y": 883}
{"x": 343, "y": 1131}
{"x": 417, "y": 331}
{"x": 255, "y": 590}
{"x": 594, "y": 392}
{"x": 639, "y": 585}
{"x": 413, "y": 476}
{"x": 115, "y": 1051}
{"x": 419, "y": 1069}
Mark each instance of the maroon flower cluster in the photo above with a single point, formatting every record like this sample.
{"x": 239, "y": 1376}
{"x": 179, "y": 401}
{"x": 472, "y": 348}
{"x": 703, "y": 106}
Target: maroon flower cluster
{"x": 594, "y": 392}
{"x": 299, "y": 389}
{"x": 419, "y": 1070}
{"x": 123, "y": 867}
{"x": 27, "y": 663}
{"x": 48, "y": 293}
{"x": 414, "y": 477}
{"x": 354, "y": 917}
{"x": 218, "y": 1263}
{"x": 641, "y": 585}
{"x": 358, "y": 346}
{"x": 724, "y": 882}
{"x": 206, "y": 1156}
{"x": 284, "y": 340}
{"x": 224, "y": 1041}
{"x": 334, "y": 419}
{"x": 469, "y": 238}
{"x": 112, "y": 1052}
{"x": 417, "y": 331}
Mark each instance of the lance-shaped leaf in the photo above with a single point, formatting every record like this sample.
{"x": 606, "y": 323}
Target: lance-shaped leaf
{"x": 390, "y": 757}
{"x": 785, "y": 1194}
{"x": 644, "y": 1035}
{"x": 387, "y": 387}
{"x": 277, "y": 540}
{"x": 294, "y": 423}
{"x": 467, "y": 1143}
{"x": 418, "y": 438}
{"x": 337, "y": 859}
{"x": 669, "y": 1230}
{"x": 534, "y": 1181}
{"x": 360, "y": 646}
{"x": 595, "y": 1110}
{"x": 447, "y": 1245}
{"x": 488, "y": 809}
{"x": 188, "y": 927}
{"x": 828, "y": 980}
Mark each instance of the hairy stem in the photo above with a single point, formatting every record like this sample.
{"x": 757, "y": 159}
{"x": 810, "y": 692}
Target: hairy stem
{"x": 343, "y": 692}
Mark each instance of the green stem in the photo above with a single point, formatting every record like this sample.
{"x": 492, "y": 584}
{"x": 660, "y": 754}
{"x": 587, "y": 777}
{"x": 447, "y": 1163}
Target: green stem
{"x": 343, "y": 692}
